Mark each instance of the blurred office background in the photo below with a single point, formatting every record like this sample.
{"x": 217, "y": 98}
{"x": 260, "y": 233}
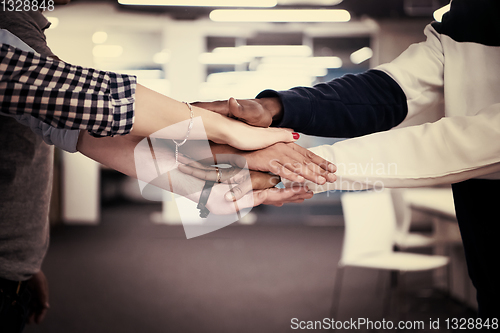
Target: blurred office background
{"x": 119, "y": 262}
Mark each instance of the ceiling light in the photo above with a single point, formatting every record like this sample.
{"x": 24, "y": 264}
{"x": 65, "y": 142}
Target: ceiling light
{"x": 223, "y": 59}
{"x": 438, "y": 14}
{"x": 318, "y": 62}
{"x": 276, "y": 50}
{"x": 326, "y": 62}
{"x": 280, "y": 15}
{"x": 266, "y": 51}
{"x": 290, "y": 69}
{"x": 361, "y": 55}
{"x": 99, "y": 37}
{"x": 202, "y": 3}
{"x": 161, "y": 58}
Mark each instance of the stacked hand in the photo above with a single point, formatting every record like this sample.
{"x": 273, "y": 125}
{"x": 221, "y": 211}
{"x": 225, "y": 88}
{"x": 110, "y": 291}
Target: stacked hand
{"x": 286, "y": 160}
{"x": 239, "y": 137}
{"x": 256, "y": 112}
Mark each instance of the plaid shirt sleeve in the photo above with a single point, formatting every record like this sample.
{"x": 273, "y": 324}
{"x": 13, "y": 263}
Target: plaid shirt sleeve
{"x": 66, "y": 96}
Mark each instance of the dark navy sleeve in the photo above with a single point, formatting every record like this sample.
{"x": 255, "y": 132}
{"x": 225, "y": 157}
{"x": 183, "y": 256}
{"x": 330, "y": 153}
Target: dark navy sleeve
{"x": 350, "y": 106}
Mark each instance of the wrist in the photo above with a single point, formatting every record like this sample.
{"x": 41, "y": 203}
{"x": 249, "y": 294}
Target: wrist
{"x": 272, "y": 105}
{"x": 216, "y": 127}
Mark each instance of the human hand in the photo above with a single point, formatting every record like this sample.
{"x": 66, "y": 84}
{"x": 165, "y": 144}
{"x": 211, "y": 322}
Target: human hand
{"x": 261, "y": 185}
{"x": 246, "y": 137}
{"x": 159, "y": 116}
{"x": 292, "y": 162}
{"x": 219, "y": 205}
{"x": 39, "y": 288}
{"x": 257, "y": 112}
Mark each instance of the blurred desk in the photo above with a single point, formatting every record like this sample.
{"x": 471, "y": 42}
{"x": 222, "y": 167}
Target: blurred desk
{"x": 438, "y": 204}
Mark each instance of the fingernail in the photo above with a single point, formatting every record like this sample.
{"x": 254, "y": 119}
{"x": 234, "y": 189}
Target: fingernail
{"x": 296, "y": 136}
{"x": 322, "y": 179}
{"x": 332, "y": 168}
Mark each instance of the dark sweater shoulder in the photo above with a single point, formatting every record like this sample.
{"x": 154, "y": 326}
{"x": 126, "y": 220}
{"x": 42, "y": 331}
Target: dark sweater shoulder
{"x": 475, "y": 21}
{"x": 29, "y": 27}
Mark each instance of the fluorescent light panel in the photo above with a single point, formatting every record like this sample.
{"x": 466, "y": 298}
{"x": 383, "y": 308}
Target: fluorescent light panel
{"x": 309, "y": 2}
{"x": 223, "y": 59}
{"x": 290, "y": 69}
{"x": 280, "y": 15}
{"x": 202, "y": 3}
{"x": 161, "y": 58}
{"x": 99, "y": 37}
{"x": 265, "y": 51}
{"x": 361, "y": 55}
{"x": 107, "y": 51}
{"x": 323, "y": 62}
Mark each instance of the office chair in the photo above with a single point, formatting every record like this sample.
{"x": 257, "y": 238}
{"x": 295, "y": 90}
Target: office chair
{"x": 370, "y": 229}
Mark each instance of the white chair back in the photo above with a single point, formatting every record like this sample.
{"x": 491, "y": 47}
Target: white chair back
{"x": 369, "y": 225}
{"x": 402, "y": 211}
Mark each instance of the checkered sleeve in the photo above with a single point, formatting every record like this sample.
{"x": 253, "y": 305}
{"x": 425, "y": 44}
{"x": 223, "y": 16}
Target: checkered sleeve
{"x": 66, "y": 96}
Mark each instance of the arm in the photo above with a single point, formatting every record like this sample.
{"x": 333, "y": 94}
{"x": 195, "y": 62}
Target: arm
{"x": 350, "y": 106}
{"x": 120, "y": 154}
{"x": 107, "y": 104}
{"x": 450, "y": 150}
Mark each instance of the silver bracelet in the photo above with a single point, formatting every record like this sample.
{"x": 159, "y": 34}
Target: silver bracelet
{"x": 177, "y": 144}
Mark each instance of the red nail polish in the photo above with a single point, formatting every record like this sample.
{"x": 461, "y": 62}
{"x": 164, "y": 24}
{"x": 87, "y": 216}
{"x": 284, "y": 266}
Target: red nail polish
{"x": 296, "y": 136}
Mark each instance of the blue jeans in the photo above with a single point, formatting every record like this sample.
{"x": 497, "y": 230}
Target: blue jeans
{"x": 14, "y": 307}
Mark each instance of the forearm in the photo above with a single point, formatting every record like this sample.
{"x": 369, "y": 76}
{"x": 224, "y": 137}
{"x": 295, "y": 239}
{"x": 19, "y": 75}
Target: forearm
{"x": 114, "y": 152}
{"x": 125, "y": 154}
{"x": 103, "y": 103}
{"x": 274, "y": 106}
{"x": 350, "y": 106}
{"x": 374, "y": 101}
{"x": 155, "y": 112}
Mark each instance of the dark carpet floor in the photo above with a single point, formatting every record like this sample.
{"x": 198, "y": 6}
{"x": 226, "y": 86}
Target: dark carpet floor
{"x": 129, "y": 275}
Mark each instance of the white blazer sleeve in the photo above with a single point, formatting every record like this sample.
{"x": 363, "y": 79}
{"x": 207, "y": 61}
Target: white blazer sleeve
{"x": 419, "y": 71}
{"x": 450, "y": 150}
